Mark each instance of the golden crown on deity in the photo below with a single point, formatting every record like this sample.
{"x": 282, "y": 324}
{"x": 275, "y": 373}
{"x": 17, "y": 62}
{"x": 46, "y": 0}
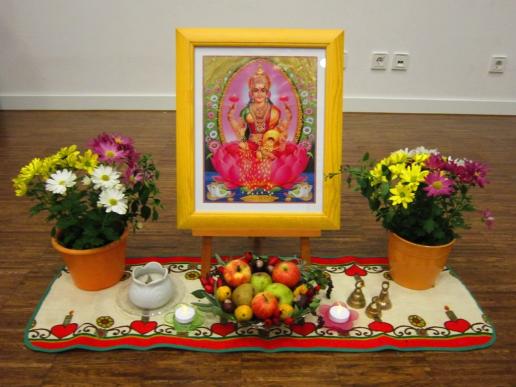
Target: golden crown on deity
{"x": 260, "y": 77}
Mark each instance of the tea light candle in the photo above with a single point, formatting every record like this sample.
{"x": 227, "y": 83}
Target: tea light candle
{"x": 184, "y": 314}
{"x": 339, "y": 314}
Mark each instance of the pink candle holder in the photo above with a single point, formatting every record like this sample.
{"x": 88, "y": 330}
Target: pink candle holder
{"x": 324, "y": 311}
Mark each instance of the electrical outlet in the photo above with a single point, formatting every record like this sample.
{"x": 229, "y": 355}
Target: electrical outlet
{"x": 379, "y": 60}
{"x": 497, "y": 64}
{"x": 400, "y": 62}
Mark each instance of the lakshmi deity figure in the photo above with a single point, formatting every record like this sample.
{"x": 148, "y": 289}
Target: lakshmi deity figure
{"x": 262, "y": 157}
{"x": 260, "y": 120}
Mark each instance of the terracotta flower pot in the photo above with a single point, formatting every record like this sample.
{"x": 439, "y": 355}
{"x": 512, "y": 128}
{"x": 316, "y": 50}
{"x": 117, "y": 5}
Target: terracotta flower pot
{"x": 95, "y": 269}
{"x": 416, "y": 266}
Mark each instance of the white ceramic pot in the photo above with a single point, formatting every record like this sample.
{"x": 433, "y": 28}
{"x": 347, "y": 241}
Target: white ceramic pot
{"x": 151, "y": 286}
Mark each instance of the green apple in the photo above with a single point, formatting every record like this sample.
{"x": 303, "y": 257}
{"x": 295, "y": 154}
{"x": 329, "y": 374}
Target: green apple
{"x": 282, "y": 292}
{"x": 260, "y": 281}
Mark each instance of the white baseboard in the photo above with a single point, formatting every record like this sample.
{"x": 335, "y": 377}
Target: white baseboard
{"x": 430, "y": 105}
{"x": 168, "y": 102}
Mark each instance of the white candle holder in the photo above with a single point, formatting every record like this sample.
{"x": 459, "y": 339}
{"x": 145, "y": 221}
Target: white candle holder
{"x": 184, "y": 314}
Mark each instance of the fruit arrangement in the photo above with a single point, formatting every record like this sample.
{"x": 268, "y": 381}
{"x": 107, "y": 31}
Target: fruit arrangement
{"x": 263, "y": 290}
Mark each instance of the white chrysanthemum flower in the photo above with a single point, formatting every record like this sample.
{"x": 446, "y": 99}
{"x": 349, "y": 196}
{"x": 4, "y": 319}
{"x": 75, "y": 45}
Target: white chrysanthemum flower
{"x": 459, "y": 162}
{"x": 422, "y": 150}
{"x": 114, "y": 201}
{"x": 105, "y": 177}
{"x": 86, "y": 180}
{"x": 60, "y": 181}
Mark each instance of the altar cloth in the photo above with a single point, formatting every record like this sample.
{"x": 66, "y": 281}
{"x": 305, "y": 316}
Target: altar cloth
{"x": 444, "y": 318}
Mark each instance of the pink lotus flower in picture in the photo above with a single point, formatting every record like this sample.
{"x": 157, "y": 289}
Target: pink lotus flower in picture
{"x": 238, "y": 167}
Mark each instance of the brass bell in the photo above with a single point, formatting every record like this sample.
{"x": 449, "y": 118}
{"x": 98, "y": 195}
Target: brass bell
{"x": 384, "y": 299}
{"x": 373, "y": 310}
{"x": 356, "y": 299}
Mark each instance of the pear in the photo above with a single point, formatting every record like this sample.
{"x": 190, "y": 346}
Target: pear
{"x": 243, "y": 294}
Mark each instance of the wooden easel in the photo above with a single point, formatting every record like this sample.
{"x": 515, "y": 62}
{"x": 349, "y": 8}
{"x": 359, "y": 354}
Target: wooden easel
{"x": 258, "y": 235}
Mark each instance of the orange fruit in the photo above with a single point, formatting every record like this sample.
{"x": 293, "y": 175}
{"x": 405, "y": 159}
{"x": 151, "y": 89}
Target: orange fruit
{"x": 243, "y": 313}
{"x": 301, "y": 289}
{"x": 223, "y": 293}
{"x": 286, "y": 311}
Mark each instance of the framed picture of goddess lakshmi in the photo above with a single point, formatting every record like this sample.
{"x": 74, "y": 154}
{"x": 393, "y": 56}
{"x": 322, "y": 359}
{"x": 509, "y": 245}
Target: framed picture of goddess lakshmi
{"x": 258, "y": 128}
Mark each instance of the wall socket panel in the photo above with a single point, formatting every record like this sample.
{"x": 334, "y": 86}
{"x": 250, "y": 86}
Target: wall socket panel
{"x": 379, "y": 60}
{"x": 400, "y": 61}
{"x": 497, "y": 64}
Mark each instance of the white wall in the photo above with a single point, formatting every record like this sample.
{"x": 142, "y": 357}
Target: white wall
{"x": 116, "y": 54}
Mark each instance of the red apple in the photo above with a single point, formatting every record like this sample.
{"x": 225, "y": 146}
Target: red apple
{"x": 237, "y": 272}
{"x": 264, "y": 305}
{"x": 286, "y": 273}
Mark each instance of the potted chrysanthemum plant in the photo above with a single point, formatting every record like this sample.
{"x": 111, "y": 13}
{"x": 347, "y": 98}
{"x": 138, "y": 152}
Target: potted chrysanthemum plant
{"x": 421, "y": 197}
{"x": 92, "y": 199}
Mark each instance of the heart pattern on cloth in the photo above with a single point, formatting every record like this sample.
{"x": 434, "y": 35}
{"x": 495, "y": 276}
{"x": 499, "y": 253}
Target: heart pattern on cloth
{"x": 381, "y": 326}
{"x": 223, "y": 329}
{"x": 304, "y": 329}
{"x": 143, "y": 327}
{"x": 62, "y": 330}
{"x": 459, "y": 325}
{"x": 355, "y": 270}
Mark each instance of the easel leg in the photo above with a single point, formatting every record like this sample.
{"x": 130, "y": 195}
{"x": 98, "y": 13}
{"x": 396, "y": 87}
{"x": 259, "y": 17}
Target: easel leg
{"x": 306, "y": 254}
{"x": 257, "y": 245}
{"x": 206, "y": 256}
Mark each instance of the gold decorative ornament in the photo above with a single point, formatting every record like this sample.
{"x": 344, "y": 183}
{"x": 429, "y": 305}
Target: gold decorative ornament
{"x": 384, "y": 299}
{"x": 259, "y": 198}
{"x": 373, "y": 310}
{"x": 356, "y": 299}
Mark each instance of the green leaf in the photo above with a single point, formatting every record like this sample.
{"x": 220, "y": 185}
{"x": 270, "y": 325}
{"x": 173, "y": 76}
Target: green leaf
{"x": 219, "y": 260}
{"x": 365, "y": 157}
{"x": 146, "y": 212}
{"x": 384, "y": 190}
{"x": 200, "y": 293}
{"x": 429, "y": 225}
{"x": 315, "y": 303}
{"x": 110, "y": 234}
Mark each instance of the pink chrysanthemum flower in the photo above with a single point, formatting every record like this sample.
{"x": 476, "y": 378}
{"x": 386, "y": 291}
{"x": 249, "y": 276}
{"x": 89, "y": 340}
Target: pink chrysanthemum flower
{"x": 122, "y": 140}
{"x": 438, "y": 185}
{"x": 488, "y": 219}
{"x": 435, "y": 161}
{"x": 475, "y": 173}
{"x": 133, "y": 175}
{"x": 109, "y": 152}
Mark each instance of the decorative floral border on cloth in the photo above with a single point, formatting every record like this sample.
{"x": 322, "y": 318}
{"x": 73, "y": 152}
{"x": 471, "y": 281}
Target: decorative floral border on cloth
{"x": 445, "y": 318}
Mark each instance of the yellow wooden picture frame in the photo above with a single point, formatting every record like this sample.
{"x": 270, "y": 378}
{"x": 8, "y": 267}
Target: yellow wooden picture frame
{"x": 188, "y": 217}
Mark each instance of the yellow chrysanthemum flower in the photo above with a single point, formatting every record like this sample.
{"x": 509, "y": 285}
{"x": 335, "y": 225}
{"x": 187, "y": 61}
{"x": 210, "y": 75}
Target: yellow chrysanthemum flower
{"x": 67, "y": 156}
{"x": 71, "y": 159}
{"x": 413, "y": 175}
{"x": 402, "y": 194}
{"x": 397, "y": 157}
{"x": 421, "y": 158}
{"x": 87, "y": 161}
{"x": 30, "y": 170}
{"x": 397, "y": 170}
{"x": 377, "y": 175}
{"x": 49, "y": 165}
{"x": 20, "y": 187}
{"x": 66, "y": 150}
